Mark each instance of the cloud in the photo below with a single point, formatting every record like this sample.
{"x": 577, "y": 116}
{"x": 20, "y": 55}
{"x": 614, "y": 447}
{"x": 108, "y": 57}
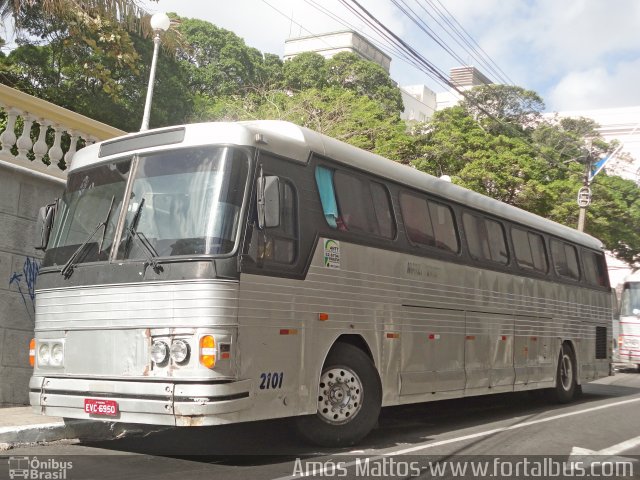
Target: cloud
{"x": 573, "y": 52}
{"x": 597, "y": 88}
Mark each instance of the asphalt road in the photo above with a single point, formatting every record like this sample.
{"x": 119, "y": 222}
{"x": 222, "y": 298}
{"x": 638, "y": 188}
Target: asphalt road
{"x": 598, "y": 436}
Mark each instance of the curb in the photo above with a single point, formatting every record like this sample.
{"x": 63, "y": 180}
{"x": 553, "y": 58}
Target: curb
{"x": 66, "y": 429}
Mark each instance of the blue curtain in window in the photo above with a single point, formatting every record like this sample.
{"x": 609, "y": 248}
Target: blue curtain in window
{"x": 324, "y": 180}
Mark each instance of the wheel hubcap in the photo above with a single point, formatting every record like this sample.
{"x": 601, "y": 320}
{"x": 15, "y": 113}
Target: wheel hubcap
{"x": 566, "y": 372}
{"x": 340, "y": 395}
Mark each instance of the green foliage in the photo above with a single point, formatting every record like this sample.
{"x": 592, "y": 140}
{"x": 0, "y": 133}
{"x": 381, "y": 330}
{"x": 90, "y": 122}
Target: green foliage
{"x": 535, "y": 164}
{"x": 504, "y": 108}
{"x": 304, "y": 71}
{"x": 217, "y": 61}
{"x": 614, "y": 216}
{"x": 348, "y": 70}
{"x": 96, "y": 68}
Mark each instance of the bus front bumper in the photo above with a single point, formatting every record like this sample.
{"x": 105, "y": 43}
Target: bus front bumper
{"x": 150, "y": 402}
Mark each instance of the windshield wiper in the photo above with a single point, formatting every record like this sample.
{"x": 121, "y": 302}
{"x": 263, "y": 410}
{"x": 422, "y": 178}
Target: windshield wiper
{"x": 150, "y": 252}
{"x": 67, "y": 270}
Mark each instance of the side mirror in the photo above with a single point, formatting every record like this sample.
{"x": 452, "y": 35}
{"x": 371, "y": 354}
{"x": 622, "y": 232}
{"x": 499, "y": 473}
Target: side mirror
{"x": 44, "y": 223}
{"x": 268, "y": 198}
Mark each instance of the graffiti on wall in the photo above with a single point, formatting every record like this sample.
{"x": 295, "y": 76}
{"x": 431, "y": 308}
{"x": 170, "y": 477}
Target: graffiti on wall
{"x": 25, "y": 282}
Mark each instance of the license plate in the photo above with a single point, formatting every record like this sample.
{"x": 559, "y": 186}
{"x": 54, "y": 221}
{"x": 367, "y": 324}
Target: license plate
{"x": 107, "y": 408}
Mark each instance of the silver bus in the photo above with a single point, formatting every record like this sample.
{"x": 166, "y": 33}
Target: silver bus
{"x": 226, "y": 272}
{"x": 627, "y": 353}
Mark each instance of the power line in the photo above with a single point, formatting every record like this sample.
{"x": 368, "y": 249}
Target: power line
{"x": 462, "y": 33}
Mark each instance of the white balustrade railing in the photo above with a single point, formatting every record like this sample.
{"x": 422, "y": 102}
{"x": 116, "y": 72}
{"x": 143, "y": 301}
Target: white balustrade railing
{"x": 49, "y": 134}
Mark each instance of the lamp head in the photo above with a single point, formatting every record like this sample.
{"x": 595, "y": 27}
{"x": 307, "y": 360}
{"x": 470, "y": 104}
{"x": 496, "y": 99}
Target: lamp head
{"x": 160, "y": 21}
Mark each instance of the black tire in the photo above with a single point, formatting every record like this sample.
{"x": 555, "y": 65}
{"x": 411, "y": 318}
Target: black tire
{"x": 566, "y": 387}
{"x": 348, "y": 408}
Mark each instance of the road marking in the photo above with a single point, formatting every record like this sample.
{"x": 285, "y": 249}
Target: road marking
{"x": 612, "y": 450}
{"x": 472, "y": 436}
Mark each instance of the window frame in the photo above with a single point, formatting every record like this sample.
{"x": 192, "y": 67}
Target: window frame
{"x": 428, "y": 201}
{"x": 577, "y": 258}
{"x": 479, "y": 217}
{"x": 528, "y": 232}
{"x": 268, "y": 232}
{"x": 370, "y": 210}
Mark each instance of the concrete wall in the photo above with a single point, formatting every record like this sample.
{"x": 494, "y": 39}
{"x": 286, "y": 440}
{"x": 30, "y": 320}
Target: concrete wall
{"x": 21, "y": 195}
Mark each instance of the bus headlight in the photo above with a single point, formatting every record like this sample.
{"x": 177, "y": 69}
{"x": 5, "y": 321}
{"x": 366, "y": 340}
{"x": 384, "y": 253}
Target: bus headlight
{"x": 44, "y": 354}
{"x": 179, "y": 351}
{"x": 159, "y": 352}
{"x": 57, "y": 355}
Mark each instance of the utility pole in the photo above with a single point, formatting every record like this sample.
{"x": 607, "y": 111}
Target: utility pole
{"x": 584, "y": 194}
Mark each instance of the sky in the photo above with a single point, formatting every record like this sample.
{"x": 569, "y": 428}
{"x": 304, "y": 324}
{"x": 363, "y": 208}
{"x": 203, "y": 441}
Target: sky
{"x": 577, "y": 54}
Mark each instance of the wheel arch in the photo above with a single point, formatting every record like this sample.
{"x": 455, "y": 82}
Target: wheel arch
{"x": 355, "y": 340}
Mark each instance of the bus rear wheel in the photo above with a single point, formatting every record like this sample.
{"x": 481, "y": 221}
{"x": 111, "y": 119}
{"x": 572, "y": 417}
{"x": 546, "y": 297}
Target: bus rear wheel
{"x": 349, "y": 399}
{"x": 566, "y": 377}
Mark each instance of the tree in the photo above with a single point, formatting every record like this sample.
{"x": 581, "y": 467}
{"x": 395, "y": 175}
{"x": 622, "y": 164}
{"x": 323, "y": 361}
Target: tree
{"x": 217, "y": 61}
{"x": 128, "y": 12}
{"x": 448, "y": 142}
{"x": 534, "y": 163}
{"x": 504, "y": 107}
{"x": 304, "y": 71}
{"x": 348, "y": 70}
{"x": 82, "y": 76}
{"x": 614, "y": 216}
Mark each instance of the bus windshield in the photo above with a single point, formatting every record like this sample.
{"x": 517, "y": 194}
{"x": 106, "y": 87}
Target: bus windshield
{"x": 86, "y": 202}
{"x": 630, "y": 303}
{"x": 182, "y": 202}
{"x": 185, "y": 202}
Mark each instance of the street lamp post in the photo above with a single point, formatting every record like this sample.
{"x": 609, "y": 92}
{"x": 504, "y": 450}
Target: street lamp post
{"x": 159, "y": 23}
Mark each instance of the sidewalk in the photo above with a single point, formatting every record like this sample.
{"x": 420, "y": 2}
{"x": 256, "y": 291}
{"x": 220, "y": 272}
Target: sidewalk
{"x": 21, "y": 425}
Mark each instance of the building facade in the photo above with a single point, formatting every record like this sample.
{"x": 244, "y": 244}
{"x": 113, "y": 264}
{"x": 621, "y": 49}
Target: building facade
{"x": 330, "y": 44}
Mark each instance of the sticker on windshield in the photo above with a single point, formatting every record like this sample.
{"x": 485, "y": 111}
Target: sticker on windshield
{"x": 331, "y": 253}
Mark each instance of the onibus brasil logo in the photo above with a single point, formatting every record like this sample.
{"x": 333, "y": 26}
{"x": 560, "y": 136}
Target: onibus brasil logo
{"x": 35, "y": 469}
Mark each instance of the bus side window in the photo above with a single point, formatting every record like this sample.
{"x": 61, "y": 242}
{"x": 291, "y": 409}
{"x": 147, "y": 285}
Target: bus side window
{"x": 565, "y": 260}
{"x": 324, "y": 181}
{"x": 529, "y": 250}
{"x": 354, "y": 203}
{"x": 595, "y": 270}
{"x": 485, "y": 239}
{"x": 428, "y": 223}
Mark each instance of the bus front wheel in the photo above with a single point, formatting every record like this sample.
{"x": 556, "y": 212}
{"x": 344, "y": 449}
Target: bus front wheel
{"x": 349, "y": 399}
{"x": 566, "y": 377}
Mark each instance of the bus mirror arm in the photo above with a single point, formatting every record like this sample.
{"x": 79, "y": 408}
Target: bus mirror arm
{"x": 44, "y": 223}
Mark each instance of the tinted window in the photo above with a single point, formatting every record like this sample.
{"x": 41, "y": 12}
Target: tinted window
{"x": 358, "y": 205}
{"x": 382, "y": 209}
{"x": 529, "y": 250}
{"x": 428, "y": 223}
{"x": 485, "y": 238}
{"x": 565, "y": 260}
{"x": 353, "y": 200}
{"x": 595, "y": 269}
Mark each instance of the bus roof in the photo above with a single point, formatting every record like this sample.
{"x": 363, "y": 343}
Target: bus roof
{"x": 295, "y": 142}
{"x": 633, "y": 277}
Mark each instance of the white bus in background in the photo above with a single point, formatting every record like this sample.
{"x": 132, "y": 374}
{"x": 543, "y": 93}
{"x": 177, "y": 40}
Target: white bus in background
{"x": 227, "y": 272}
{"x": 628, "y": 324}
